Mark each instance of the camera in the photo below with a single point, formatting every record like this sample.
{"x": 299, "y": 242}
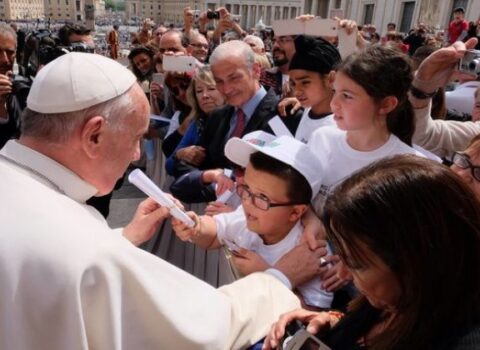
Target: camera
{"x": 470, "y": 63}
{"x": 297, "y": 338}
{"x": 196, "y": 14}
{"x": 213, "y": 15}
{"x": 20, "y": 85}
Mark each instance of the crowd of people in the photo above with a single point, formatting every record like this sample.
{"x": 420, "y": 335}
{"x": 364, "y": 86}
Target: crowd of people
{"x": 342, "y": 190}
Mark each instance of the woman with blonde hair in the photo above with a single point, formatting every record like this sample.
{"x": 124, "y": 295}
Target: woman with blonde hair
{"x": 203, "y": 97}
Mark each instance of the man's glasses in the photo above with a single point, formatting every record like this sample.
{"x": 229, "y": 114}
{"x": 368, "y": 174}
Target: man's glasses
{"x": 463, "y": 161}
{"x": 283, "y": 39}
{"x": 259, "y": 200}
{"x": 169, "y": 49}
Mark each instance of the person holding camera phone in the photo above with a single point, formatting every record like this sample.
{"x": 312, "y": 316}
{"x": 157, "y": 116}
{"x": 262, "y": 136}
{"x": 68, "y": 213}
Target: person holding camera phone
{"x": 225, "y": 23}
{"x": 417, "y": 266}
{"x": 12, "y": 101}
{"x": 441, "y": 137}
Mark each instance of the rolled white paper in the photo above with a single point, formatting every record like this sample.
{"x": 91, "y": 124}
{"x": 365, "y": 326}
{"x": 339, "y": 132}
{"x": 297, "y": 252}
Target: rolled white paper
{"x": 142, "y": 181}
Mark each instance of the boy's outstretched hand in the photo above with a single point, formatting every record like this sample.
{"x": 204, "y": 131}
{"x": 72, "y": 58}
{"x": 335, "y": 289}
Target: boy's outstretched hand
{"x": 184, "y": 232}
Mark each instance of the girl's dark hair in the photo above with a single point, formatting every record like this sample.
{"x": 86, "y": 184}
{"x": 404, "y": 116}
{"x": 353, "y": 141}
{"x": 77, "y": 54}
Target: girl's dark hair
{"x": 383, "y": 71}
{"x": 298, "y": 191}
{"x": 423, "y": 222}
{"x": 135, "y": 52}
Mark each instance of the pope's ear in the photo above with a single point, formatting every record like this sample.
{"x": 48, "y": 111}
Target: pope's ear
{"x": 92, "y": 135}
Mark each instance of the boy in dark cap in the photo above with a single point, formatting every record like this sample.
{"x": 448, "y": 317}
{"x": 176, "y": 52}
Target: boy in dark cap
{"x": 311, "y": 71}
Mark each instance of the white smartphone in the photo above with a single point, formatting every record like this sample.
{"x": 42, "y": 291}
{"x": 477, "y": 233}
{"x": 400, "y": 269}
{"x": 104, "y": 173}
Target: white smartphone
{"x": 158, "y": 78}
{"x": 178, "y": 63}
{"x": 288, "y": 27}
{"x": 315, "y": 27}
{"x": 347, "y": 43}
{"x": 321, "y": 27}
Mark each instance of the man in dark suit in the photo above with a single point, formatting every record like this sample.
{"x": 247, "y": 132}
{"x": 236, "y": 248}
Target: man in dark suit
{"x": 249, "y": 108}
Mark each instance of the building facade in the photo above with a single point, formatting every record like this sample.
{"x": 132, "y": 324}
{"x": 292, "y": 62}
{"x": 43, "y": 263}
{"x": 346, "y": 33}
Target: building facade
{"x": 63, "y": 10}
{"x": 248, "y": 12}
{"x": 21, "y": 9}
{"x": 406, "y": 14}
{"x": 436, "y": 14}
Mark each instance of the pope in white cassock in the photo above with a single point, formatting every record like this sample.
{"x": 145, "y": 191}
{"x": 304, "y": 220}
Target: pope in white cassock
{"x": 68, "y": 281}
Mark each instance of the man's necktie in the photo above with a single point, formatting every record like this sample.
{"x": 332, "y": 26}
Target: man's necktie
{"x": 239, "y": 125}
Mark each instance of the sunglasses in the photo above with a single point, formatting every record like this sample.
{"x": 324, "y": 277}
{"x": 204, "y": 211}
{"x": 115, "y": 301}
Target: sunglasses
{"x": 462, "y": 161}
{"x": 176, "y": 88}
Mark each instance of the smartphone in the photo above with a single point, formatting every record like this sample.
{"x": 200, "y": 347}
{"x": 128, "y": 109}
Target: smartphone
{"x": 297, "y": 338}
{"x": 178, "y": 63}
{"x": 158, "y": 78}
{"x": 315, "y": 27}
{"x": 302, "y": 340}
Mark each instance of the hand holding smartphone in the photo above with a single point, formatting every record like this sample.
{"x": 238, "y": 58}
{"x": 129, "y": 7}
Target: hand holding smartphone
{"x": 158, "y": 78}
{"x": 297, "y": 338}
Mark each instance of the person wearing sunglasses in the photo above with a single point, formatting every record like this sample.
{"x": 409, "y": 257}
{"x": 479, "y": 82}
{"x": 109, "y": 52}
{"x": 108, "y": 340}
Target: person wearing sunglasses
{"x": 280, "y": 178}
{"x": 467, "y": 165}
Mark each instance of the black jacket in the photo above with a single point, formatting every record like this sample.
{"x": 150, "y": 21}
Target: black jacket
{"x": 189, "y": 187}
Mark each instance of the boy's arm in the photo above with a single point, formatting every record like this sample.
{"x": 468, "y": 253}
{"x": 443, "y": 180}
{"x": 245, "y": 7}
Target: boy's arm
{"x": 313, "y": 228}
{"x": 203, "y": 234}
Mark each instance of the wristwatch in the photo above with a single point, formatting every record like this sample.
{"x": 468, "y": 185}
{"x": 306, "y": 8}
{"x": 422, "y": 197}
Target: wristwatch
{"x": 421, "y": 95}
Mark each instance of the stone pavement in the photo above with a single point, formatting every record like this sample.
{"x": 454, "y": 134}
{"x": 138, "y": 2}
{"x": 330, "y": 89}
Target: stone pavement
{"x": 124, "y": 203}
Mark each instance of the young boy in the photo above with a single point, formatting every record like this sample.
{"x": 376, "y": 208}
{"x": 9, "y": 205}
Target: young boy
{"x": 311, "y": 72}
{"x": 281, "y": 176}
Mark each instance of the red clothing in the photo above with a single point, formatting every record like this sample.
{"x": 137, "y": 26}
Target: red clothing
{"x": 455, "y": 29}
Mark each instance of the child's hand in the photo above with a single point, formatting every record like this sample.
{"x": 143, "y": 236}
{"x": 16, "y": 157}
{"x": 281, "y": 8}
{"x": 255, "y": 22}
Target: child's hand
{"x": 248, "y": 262}
{"x": 224, "y": 183}
{"x": 214, "y": 208}
{"x": 184, "y": 232}
{"x": 286, "y": 103}
{"x": 331, "y": 280}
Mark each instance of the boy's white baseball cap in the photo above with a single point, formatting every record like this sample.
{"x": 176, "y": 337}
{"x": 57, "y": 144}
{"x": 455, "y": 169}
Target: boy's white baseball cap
{"x": 284, "y": 148}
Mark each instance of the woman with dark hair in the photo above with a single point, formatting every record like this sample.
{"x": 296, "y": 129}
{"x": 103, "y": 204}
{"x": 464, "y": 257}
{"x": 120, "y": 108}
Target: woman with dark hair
{"x": 408, "y": 230}
{"x": 142, "y": 64}
{"x": 178, "y": 84}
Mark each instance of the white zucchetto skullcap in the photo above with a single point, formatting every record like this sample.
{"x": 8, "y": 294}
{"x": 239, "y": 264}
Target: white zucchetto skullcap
{"x": 76, "y": 81}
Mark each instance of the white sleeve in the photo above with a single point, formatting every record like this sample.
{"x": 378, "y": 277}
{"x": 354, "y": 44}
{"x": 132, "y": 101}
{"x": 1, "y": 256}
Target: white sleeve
{"x": 229, "y": 224}
{"x": 442, "y": 137}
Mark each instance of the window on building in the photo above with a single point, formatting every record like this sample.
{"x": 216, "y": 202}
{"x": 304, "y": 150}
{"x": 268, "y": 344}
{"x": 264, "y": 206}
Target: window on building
{"x": 368, "y": 13}
{"x": 79, "y": 17}
{"x": 338, "y": 4}
{"x": 159, "y": 7}
{"x": 77, "y": 6}
{"x": 407, "y": 16}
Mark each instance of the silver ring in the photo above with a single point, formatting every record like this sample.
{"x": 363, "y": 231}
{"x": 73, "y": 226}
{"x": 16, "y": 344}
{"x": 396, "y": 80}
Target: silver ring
{"x": 323, "y": 262}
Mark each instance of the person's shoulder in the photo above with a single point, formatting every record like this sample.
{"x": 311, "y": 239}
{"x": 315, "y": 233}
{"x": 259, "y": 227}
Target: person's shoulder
{"x": 470, "y": 340}
{"x": 330, "y": 132}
